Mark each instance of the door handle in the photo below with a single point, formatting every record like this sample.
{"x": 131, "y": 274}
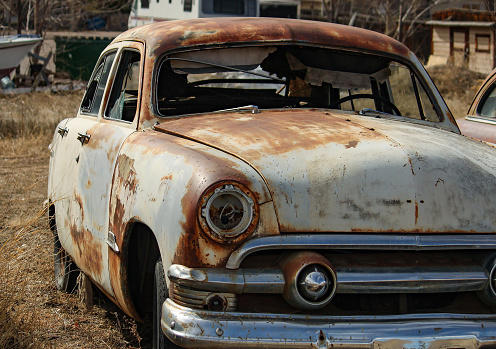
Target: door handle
{"x": 83, "y": 138}
{"x": 63, "y": 131}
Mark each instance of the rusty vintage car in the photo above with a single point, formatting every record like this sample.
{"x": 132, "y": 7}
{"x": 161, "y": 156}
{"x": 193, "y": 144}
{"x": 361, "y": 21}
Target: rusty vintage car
{"x": 270, "y": 182}
{"x": 480, "y": 122}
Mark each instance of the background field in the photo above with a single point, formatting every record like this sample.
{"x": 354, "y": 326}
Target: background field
{"x": 32, "y": 312}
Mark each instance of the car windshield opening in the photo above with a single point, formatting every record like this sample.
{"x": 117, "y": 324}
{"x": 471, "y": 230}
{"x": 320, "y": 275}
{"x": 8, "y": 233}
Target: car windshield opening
{"x": 271, "y": 77}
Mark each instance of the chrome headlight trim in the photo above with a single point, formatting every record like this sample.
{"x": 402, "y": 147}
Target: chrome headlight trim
{"x": 228, "y": 212}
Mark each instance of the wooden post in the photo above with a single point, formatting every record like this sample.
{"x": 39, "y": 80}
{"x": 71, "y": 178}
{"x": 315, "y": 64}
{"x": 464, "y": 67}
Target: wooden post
{"x": 42, "y": 73}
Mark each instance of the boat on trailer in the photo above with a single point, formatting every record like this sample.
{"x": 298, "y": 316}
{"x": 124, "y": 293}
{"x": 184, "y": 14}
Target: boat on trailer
{"x": 13, "y": 48}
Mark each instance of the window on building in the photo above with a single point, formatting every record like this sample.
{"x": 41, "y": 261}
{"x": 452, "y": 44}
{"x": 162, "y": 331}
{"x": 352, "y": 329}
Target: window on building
{"x": 188, "y": 5}
{"x": 145, "y": 3}
{"x": 235, "y": 7}
{"x": 482, "y": 43}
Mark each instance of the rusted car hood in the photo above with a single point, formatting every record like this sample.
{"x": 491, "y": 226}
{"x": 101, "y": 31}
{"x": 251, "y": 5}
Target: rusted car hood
{"x": 336, "y": 172}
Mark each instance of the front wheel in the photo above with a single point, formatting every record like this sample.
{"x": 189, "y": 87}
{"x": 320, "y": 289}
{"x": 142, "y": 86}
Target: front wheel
{"x": 160, "y": 294}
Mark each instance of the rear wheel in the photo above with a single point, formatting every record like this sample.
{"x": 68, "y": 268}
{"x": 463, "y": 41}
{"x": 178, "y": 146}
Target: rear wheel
{"x": 66, "y": 272}
{"x": 160, "y": 294}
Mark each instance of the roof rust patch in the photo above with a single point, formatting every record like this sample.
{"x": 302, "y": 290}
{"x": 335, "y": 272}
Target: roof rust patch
{"x": 170, "y": 35}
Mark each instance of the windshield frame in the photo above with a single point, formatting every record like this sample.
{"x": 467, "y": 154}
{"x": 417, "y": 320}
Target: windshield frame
{"x": 421, "y": 77}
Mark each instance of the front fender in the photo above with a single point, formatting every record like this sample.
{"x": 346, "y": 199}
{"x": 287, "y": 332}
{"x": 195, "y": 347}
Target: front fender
{"x": 159, "y": 180}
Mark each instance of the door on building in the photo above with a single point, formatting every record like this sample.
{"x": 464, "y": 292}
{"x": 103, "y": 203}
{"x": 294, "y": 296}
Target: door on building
{"x": 460, "y": 46}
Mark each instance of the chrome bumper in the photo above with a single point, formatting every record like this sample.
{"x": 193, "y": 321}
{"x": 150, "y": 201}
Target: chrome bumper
{"x": 199, "y": 329}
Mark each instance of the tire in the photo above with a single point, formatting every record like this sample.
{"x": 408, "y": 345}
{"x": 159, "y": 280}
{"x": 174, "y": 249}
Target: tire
{"x": 160, "y": 294}
{"x": 65, "y": 271}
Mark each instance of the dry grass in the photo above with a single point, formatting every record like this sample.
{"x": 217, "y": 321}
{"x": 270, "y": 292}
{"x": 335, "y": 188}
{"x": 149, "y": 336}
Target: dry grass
{"x": 33, "y": 314}
{"x": 35, "y": 113}
{"x": 457, "y": 86}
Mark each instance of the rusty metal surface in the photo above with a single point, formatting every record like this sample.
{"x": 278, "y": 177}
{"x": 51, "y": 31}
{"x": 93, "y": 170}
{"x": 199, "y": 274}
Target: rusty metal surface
{"x": 326, "y": 167}
{"x": 223, "y": 32}
{"x": 307, "y": 170}
{"x": 209, "y": 31}
{"x": 160, "y": 179}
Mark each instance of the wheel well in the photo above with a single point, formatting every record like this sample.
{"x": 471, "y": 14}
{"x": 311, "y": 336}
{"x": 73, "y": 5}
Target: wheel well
{"x": 143, "y": 253}
{"x": 51, "y": 219}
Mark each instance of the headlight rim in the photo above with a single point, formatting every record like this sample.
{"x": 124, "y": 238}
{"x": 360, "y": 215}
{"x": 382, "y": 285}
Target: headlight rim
{"x": 210, "y": 193}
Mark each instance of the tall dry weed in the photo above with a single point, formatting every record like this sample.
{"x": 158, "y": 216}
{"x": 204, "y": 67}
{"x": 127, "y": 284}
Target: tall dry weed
{"x": 33, "y": 313}
{"x": 19, "y": 257}
{"x": 458, "y": 86}
{"x": 36, "y": 113}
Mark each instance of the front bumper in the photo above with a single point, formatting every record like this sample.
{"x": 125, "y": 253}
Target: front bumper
{"x": 199, "y": 329}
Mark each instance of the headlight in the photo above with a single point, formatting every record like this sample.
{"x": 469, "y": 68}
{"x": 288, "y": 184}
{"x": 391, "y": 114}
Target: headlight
{"x": 228, "y": 212}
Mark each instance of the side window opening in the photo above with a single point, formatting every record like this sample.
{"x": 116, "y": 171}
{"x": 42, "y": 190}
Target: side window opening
{"x": 488, "y": 106}
{"x": 123, "y": 98}
{"x": 96, "y": 87}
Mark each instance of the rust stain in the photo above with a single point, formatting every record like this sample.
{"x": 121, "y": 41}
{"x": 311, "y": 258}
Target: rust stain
{"x": 189, "y": 249}
{"x": 416, "y": 212}
{"x": 127, "y": 173}
{"x": 411, "y": 165}
{"x": 87, "y": 254}
{"x": 166, "y": 178}
{"x": 125, "y": 182}
{"x": 117, "y": 261}
{"x": 278, "y": 132}
{"x": 195, "y": 248}
{"x": 104, "y": 133}
{"x": 351, "y": 144}
{"x": 184, "y": 33}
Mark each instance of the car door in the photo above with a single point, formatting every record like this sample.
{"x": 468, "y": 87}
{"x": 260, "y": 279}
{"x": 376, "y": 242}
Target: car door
{"x": 66, "y": 150}
{"x": 116, "y": 121}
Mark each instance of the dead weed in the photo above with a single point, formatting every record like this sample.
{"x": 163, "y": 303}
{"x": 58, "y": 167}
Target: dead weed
{"x": 457, "y": 86}
{"x": 33, "y": 313}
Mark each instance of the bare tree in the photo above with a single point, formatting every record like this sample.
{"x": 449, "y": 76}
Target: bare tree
{"x": 399, "y": 19}
{"x": 38, "y": 16}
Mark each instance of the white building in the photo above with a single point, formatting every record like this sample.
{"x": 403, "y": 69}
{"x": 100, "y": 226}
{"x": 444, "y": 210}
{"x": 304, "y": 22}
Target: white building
{"x": 149, "y": 11}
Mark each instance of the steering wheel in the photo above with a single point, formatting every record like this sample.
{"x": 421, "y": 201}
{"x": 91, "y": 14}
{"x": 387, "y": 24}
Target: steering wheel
{"x": 369, "y": 96}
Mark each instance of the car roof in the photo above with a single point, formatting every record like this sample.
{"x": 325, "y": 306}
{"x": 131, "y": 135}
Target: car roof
{"x": 179, "y": 34}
